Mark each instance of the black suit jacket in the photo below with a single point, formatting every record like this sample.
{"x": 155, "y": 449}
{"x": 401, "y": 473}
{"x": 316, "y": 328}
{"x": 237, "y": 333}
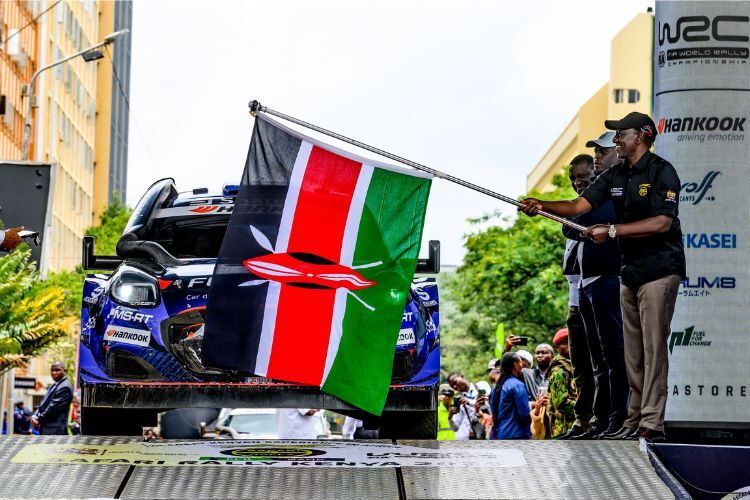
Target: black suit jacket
{"x": 54, "y": 408}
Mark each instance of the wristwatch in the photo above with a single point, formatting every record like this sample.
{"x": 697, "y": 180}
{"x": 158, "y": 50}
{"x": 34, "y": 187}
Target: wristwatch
{"x": 612, "y": 231}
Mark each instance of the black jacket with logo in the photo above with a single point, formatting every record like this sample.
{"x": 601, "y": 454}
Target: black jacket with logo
{"x": 649, "y": 188}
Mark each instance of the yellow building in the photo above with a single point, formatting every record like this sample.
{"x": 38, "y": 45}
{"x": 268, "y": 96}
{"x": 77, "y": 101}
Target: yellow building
{"x": 113, "y": 93}
{"x": 628, "y": 89}
{"x": 72, "y": 125}
{"x": 18, "y": 61}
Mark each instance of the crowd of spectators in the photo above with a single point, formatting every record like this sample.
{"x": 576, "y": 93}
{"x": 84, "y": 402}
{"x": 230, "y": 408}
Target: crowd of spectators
{"x": 519, "y": 400}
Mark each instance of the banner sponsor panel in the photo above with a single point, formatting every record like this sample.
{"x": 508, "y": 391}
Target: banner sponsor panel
{"x": 702, "y": 112}
{"x": 260, "y": 453}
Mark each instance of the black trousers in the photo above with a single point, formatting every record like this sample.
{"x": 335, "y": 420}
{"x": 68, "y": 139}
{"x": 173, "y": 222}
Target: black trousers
{"x": 602, "y": 319}
{"x": 583, "y": 374}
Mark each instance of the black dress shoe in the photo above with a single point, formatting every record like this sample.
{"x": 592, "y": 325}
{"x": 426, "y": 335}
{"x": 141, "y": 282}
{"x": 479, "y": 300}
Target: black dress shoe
{"x": 591, "y": 433}
{"x": 623, "y": 433}
{"x": 611, "y": 430}
{"x": 652, "y": 435}
{"x": 572, "y": 433}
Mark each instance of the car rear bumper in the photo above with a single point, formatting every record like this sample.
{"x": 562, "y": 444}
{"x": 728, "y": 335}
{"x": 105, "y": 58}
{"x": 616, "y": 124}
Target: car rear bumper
{"x": 251, "y": 394}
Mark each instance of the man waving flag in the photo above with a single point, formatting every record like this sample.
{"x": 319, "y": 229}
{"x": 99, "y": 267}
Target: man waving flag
{"x": 315, "y": 267}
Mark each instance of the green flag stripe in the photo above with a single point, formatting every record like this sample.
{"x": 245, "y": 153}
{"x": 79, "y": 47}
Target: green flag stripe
{"x": 390, "y": 231}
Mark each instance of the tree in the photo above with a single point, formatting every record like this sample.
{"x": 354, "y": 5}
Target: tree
{"x": 112, "y": 223}
{"x": 31, "y": 318}
{"x": 511, "y": 274}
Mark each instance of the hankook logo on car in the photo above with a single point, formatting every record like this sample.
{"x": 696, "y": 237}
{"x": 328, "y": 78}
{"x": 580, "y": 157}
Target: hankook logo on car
{"x": 126, "y": 335}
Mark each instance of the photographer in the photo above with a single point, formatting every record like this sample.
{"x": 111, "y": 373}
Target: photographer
{"x": 444, "y": 414}
{"x": 532, "y": 377}
{"x": 465, "y": 418}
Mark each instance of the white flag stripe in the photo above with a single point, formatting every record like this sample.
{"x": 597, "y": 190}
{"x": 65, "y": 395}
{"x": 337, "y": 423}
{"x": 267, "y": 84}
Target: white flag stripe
{"x": 348, "y": 244}
{"x": 282, "y": 241}
{"x": 290, "y": 204}
{"x": 269, "y": 323}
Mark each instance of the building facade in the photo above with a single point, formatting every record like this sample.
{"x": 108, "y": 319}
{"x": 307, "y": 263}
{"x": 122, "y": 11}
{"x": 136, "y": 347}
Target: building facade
{"x": 112, "y": 106}
{"x": 18, "y": 61}
{"x": 629, "y": 89}
{"x": 79, "y": 108}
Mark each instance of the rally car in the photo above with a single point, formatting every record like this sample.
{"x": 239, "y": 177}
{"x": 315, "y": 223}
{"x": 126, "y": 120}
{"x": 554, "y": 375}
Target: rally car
{"x": 142, "y": 325}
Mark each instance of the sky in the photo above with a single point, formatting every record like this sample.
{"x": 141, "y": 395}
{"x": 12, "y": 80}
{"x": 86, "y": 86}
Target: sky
{"x": 478, "y": 90}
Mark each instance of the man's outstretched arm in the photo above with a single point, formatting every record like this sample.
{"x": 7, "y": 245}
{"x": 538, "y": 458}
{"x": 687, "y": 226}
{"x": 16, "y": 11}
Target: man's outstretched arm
{"x": 565, "y": 208}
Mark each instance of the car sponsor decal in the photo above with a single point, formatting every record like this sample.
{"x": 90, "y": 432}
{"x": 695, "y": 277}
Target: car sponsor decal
{"x": 125, "y": 314}
{"x": 194, "y": 210}
{"x": 127, "y": 335}
{"x": 405, "y": 336}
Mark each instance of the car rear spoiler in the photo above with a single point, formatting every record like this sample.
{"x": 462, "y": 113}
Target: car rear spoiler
{"x": 430, "y": 265}
{"x": 91, "y": 261}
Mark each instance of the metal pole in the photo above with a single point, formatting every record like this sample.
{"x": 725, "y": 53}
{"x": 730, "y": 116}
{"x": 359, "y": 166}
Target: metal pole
{"x": 30, "y": 87}
{"x": 256, "y": 107}
{"x": 3, "y": 382}
{"x": 11, "y": 403}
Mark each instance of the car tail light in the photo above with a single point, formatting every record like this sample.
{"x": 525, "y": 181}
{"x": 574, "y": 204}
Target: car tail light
{"x": 135, "y": 288}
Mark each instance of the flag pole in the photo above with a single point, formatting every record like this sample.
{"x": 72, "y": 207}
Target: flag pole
{"x": 257, "y": 107}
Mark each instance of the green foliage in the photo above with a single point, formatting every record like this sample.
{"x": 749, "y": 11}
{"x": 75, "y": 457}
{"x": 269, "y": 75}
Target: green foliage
{"x": 67, "y": 286}
{"x": 511, "y": 274}
{"x": 112, "y": 222}
{"x": 32, "y": 318}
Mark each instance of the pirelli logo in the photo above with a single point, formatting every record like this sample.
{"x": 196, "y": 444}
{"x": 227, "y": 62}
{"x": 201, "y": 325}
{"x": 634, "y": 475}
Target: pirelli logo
{"x": 127, "y": 335}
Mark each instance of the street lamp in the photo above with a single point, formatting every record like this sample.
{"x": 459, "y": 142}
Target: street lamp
{"x": 89, "y": 54}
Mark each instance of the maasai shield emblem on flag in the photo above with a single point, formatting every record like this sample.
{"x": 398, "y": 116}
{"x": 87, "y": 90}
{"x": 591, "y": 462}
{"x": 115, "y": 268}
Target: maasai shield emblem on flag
{"x": 315, "y": 267}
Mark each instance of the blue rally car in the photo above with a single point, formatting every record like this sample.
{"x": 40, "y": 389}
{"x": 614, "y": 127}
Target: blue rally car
{"x": 142, "y": 328}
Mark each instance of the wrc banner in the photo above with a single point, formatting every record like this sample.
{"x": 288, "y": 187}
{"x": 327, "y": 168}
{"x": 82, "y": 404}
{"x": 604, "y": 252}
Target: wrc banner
{"x": 315, "y": 267}
{"x": 701, "y": 108}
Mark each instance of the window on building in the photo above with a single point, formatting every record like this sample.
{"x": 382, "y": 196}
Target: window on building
{"x": 618, "y": 95}
{"x": 633, "y": 96}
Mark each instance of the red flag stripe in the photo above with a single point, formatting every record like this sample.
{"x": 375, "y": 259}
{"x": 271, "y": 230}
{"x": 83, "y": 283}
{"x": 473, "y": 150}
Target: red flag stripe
{"x": 304, "y": 315}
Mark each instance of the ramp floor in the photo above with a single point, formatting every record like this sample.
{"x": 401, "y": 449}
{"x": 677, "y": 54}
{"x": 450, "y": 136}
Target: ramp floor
{"x": 555, "y": 469}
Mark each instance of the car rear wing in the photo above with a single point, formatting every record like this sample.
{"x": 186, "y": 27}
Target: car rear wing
{"x": 430, "y": 265}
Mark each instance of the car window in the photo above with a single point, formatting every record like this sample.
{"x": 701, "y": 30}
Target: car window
{"x": 193, "y": 237}
{"x": 254, "y": 423}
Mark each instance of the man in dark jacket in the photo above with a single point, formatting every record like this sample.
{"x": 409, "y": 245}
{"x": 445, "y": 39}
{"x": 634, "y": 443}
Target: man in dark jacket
{"x": 51, "y": 418}
{"x": 644, "y": 189}
{"x": 599, "y": 305}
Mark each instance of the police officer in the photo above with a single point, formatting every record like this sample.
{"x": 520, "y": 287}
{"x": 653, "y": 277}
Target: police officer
{"x": 645, "y": 191}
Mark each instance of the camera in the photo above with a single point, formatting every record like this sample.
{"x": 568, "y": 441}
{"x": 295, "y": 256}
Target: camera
{"x": 523, "y": 341}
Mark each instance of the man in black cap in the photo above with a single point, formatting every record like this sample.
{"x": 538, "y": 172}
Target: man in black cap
{"x": 644, "y": 189}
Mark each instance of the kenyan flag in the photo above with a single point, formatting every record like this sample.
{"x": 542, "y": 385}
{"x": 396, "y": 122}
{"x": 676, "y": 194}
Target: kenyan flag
{"x": 315, "y": 268}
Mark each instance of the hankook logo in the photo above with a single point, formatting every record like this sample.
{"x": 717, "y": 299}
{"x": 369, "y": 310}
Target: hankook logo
{"x": 704, "y": 128}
